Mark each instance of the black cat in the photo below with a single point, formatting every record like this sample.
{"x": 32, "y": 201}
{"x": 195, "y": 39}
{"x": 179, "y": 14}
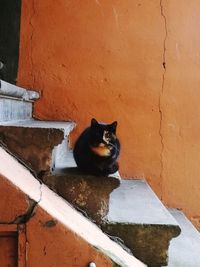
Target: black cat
{"x": 97, "y": 149}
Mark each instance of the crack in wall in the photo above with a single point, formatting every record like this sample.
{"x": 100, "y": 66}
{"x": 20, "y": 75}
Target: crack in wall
{"x": 31, "y": 42}
{"x": 24, "y": 218}
{"x": 163, "y": 16}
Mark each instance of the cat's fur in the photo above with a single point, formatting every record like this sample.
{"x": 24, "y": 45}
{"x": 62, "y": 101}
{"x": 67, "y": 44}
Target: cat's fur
{"x": 97, "y": 149}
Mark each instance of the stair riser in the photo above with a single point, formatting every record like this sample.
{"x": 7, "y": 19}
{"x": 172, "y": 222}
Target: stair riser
{"x": 12, "y": 109}
{"x": 33, "y": 146}
{"x": 86, "y": 192}
{"x": 62, "y": 157}
{"x": 149, "y": 243}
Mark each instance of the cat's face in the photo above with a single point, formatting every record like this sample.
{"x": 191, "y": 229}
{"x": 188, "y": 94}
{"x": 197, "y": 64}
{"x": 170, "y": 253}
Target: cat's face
{"x": 102, "y": 137}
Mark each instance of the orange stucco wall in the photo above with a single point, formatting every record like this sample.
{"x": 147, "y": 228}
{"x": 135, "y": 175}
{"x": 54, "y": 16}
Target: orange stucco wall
{"x": 104, "y": 59}
{"x": 58, "y": 246}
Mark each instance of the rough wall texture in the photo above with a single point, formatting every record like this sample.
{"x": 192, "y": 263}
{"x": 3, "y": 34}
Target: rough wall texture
{"x": 57, "y": 245}
{"x": 9, "y": 212}
{"x": 99, "y": 59}
{"x": 180, "y": 108}
{"x": 132, "y": 61}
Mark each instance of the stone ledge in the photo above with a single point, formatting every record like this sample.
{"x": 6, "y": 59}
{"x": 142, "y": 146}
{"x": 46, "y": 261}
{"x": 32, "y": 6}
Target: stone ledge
{"x": 13, "y": 91}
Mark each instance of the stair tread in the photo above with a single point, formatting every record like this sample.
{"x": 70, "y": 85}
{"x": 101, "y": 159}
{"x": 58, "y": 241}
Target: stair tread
{"x": 11, "y": 90}
{"x": 184, "y": 250}
{"x": 65, "y": 126}
{"x": 63, "y": 212}
{"x": 134, "y": 202}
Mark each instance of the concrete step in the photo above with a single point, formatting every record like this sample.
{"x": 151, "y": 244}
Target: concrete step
{"x": 184, "y": 251}
{"x": 63, "y": 158}
{"x": 34, "y": 142}
{"x": 66, "y": 219}
{"x": 15, "y": 102}
{"x": 139, "y": 218}
{"x": 136, "y": 215}
{"x": 88, "y": 193}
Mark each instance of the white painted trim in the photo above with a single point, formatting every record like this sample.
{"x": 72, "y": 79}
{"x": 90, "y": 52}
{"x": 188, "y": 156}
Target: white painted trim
{"x": 63, "y": 211}
{"x": 16, "y": 173}
{"x": 11, "y": 90}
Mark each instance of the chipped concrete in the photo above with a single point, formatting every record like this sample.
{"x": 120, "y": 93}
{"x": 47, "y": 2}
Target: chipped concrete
{"x": 33, "y": 142}
{"x": 86, "y": 192}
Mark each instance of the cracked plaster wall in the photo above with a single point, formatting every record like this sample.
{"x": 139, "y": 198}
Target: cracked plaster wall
{"x": 94, "y": 59}
{"x": 132, "y": 61}
{"x": 181, "y": 109}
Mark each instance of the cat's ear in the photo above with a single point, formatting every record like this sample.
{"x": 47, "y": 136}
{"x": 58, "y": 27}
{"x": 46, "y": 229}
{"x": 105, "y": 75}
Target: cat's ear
{"x": 113, "y": 126}
{"x": 94, "y": 122}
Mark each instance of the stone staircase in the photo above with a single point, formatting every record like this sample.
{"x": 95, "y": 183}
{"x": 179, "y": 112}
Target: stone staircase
{"x": 50, "y": 231}
{"x": 127, "y": 210}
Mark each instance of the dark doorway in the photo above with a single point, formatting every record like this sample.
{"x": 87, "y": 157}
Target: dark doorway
{"x": 10, "y": 11}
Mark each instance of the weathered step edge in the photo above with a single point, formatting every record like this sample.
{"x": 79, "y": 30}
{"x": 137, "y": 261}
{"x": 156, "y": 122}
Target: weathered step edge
{"x": 33, "y": 141}
{"x": 13, "y": 91}
{"x": 63, "y": 212}
{"x": 88, "y": 193}
{"x": 139, "y": 218}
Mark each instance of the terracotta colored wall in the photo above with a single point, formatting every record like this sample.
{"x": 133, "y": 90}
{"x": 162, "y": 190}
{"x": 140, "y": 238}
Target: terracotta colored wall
{"x": 99, "y": 59}
{"x": 104, "y": 59}
{"x": 57, "y": 245}
{"x": 181, "y": 109}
